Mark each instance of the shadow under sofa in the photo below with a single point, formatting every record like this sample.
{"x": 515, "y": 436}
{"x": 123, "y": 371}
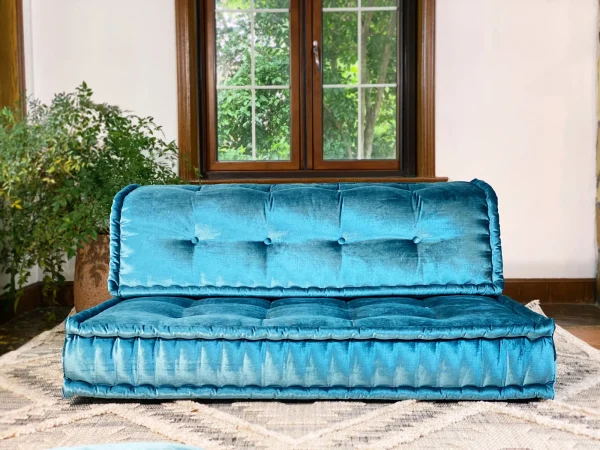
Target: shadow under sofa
{"x": 315, "y": 291}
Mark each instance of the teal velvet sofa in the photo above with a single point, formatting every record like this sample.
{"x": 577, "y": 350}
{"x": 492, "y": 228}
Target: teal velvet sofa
{"x": 308, "y": 291}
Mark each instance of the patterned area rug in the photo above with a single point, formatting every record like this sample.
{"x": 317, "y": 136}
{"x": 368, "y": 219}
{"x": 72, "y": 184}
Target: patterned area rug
{"x": 33, "y": 415}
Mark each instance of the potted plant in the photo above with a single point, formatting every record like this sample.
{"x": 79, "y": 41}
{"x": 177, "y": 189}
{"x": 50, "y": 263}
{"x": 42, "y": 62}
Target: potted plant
{"x": 60, "y": 166}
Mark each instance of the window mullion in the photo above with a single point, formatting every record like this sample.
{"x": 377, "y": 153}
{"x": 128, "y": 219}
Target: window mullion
{"x": 253, "y": 81}
{"x": 360, "y": 149}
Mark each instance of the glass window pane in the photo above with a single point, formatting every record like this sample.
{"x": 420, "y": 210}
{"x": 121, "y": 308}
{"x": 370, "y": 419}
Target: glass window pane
{"x": 340, "y": 48}
{"x": 233, "y": 4}
{"x": 339, "y": 3}
{"x": 379, "y": 40}
{"x": 272, "y": 4}
{"x": 379, "y": 123}
{"x": 234, "y": 123}
{"x": 363, "y": 54}
{"x": 234, "y": 62}
{"x": 272, "y": 124}
{"x": 272, "y": 49}
{"x": 340, "y": 120}
{"x": 253, "y": 122}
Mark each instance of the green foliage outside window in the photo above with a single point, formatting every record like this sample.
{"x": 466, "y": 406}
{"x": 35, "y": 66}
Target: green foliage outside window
{"x": 378, "y": 62}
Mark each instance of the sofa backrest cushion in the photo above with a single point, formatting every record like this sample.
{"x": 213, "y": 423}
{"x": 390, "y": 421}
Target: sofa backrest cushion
{"x": 306, "y": 240}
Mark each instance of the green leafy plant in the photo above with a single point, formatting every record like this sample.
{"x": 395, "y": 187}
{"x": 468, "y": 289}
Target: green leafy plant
{"x": 60, "y": 166}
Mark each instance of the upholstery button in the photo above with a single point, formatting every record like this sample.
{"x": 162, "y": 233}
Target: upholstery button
{"x": 267, "y": 241}
{"x": 417, "y": 239}
{"x": 341, "y": 241}
{"x": 195, "y": 240}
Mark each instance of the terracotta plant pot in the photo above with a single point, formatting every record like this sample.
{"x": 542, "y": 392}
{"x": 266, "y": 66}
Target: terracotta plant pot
{"x": 91, "y": 274}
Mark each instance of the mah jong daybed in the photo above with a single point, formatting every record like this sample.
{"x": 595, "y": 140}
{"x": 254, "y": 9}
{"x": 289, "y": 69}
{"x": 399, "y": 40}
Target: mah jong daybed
{"x": 308, "y": 291}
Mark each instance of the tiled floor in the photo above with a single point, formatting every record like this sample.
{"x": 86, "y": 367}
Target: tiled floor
{"x": 581, "y": 320}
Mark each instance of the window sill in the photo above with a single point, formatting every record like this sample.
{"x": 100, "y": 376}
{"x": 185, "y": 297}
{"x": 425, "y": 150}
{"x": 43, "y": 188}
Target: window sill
{"x": 319, "y": 178}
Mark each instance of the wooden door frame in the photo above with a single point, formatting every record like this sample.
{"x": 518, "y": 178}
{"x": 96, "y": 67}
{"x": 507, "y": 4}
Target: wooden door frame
{"x": 190, "y": 113}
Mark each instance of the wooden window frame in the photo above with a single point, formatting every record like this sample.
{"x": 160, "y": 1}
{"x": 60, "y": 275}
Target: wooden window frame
{"x": 212, "y": 164}
{"x": 404, "y": 162}
{"x": 190, "y": 23}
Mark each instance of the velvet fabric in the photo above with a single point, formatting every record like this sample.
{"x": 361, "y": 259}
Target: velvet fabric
{"x": 299, "y": 393}
{"x": 386, "y": 318}
{"x": 306, "y": 240}
{"x": 450, "y": 347}
{"x": 308, "y": 291}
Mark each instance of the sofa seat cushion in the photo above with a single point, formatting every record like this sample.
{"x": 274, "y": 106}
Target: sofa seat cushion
{"x": 444, "y": 347}
{"x": 442, "y": 317}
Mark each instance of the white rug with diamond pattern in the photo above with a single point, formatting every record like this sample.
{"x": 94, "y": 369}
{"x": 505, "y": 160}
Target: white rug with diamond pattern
{"x": 33, "y": 414}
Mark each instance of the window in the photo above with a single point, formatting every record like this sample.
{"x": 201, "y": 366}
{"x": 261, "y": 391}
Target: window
{"x": 253, "y": 84}
{"x": 304, "y": 89}
{"x": 359, "y": 90}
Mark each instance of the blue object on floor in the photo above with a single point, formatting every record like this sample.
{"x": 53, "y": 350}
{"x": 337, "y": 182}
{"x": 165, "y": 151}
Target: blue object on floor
{"x": 327, "y": 291}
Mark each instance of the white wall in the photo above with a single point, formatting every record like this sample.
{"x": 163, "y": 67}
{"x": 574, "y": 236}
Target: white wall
{"x": 515, "y": 100}
{"x": 516, "y": 107}
{"x": 123, "y": 49}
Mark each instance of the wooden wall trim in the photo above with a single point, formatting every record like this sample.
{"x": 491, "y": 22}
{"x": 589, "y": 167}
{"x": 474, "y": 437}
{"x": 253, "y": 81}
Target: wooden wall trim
{"x": 551, "y": 290}
{"x": 426, "y": 89}
{"x": 547, "y": 290}
{"x": 12, "y": 54}
{"x": 187, "y": 88}
{"x": 21, "y": 55}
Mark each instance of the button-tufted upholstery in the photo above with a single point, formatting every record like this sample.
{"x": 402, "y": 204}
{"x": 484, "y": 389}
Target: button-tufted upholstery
{"x": 309, "y": 240}
{"x": 444, "y": 317}
{"x": 332, "y": 291}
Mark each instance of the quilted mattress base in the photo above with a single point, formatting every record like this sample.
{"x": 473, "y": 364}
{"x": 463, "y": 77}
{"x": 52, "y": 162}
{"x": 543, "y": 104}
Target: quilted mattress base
{"x": 83, "y": 389}
{"x": 438, "y": 348}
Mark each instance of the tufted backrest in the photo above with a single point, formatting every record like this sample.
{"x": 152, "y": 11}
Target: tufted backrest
{"x": 306, "y": 240}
